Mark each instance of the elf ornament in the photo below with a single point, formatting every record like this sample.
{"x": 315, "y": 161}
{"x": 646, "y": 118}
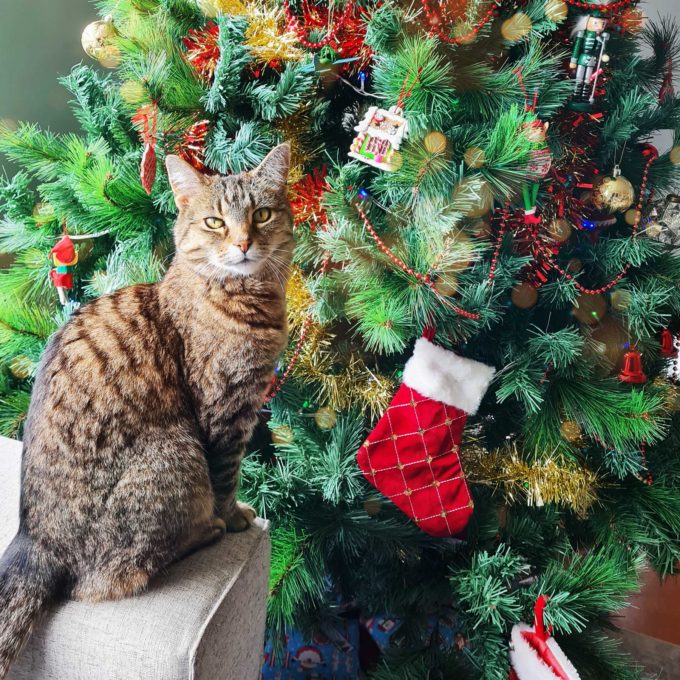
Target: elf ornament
{"x": 411, "y": 456}
{"x": 587, "y": 57}
{"x": 63, "y": 256}
{"x": 534, "y": 654}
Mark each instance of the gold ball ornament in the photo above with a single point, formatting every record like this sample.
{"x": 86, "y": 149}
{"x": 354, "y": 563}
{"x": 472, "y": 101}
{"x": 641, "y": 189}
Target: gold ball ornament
{"x": 481, "y": 228}
{"x": 372, "y": 506}
{"x": 474, "y": 157}
{"x": 524, "y": 295}
{"x": 464, "y": 250}
{"x": 325, "y": 418}
{"x": 560, "y": 230}
{"x": 132, "y": 92}
{"x": 43, "y": 213}
{"x": 620, "y": 300}
{"x": 653, "y": 229}
{"x": 631, "y": 216}
{"x": 462, "y": 31}
{"x": 612, "y": 338}
{"x": 614, "y": 193}
{"x": 282, "y": 434}
{"x": 590, "y": 309}
{"x": 586, "y": 197}
{"x": 447, "y": 285}
{"x": 515, "y": 28}
{"x": 674, "y": 155}
{"x": 435, "y": 142}
{"x": 477, "y": 201}
{"x": 571, "y": 431}
{"x": 21, "y": 367}
{"x": 98, "y": 41}
{"x": 396, "y": 161}
{"x": 574, "y": 265}
{"x": 555, "y": 10}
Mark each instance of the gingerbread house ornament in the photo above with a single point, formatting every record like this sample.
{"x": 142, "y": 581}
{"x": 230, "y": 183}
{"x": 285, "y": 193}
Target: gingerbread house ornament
{"x": 379, "y": 136}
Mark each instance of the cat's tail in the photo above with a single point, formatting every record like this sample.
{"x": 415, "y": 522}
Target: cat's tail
{"x": 28, "y": 581}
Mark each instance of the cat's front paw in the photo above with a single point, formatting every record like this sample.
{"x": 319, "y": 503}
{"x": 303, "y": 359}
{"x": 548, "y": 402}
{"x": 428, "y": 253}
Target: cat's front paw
{"x": 241, "y": 518}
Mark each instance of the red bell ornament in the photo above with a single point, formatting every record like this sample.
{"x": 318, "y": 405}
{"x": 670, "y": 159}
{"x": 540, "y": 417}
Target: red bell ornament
{"x": 632, "y": 368}
{"x": 667, "y": 349}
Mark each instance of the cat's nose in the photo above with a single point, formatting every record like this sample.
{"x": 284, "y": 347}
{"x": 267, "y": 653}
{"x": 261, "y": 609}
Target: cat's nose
{"x": 244, "y": 245}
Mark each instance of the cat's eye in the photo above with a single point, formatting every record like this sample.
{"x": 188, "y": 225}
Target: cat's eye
{"x": 214, "y": 222}
{"x": 261, "y": 215}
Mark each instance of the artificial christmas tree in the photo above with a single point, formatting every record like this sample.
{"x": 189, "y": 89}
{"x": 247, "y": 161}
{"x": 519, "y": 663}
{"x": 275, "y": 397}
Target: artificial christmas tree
{"x": 525, "y": 215}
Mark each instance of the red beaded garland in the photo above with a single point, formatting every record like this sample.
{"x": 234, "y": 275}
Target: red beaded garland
{"x": 277, "y": 383}
{"x": 432, "y": 20}
{"x": 424, "y": 279}
{"x": 590, "y": 6}
{"x": 603, "y": 289}
{"x": 503, "y": 227}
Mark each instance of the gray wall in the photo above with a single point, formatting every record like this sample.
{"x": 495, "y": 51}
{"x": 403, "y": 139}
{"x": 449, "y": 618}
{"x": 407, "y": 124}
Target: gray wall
{"x": 39, "y": 41}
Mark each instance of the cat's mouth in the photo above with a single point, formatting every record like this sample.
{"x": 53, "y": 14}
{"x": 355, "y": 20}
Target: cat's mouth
{"x": 247, "y": 265}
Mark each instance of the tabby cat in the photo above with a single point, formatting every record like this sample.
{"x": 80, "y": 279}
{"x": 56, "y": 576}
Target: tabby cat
{"x": 145, "y": 400}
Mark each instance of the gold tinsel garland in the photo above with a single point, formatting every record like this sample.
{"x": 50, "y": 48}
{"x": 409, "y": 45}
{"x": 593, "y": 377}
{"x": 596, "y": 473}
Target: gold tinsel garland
{"x": 554, "y": 480}
{"x": 341, "y": 380}
{"x": 266, "y": 35}
{"x": 298, "y": 299}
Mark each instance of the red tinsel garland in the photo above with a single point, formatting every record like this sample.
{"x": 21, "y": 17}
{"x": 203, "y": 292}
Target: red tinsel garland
{"x": 307, "y": 196}
{"x": 203, "y": 52}
{"x": 192, "y": 145}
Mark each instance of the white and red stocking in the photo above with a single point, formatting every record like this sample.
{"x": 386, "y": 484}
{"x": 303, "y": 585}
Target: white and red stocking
{"x": 412, "y": 454}
{"x": 534, "y": 655}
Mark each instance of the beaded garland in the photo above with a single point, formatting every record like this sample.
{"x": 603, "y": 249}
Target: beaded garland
{"x": 433, "y": 20}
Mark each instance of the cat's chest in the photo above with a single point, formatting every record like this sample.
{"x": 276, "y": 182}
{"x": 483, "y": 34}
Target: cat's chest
{"x": 230, "y": 354}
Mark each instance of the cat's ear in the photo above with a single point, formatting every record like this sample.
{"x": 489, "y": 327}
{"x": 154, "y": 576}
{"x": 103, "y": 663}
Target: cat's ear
{"x": 274, "y": 168}
{"x": 185, "y": 180}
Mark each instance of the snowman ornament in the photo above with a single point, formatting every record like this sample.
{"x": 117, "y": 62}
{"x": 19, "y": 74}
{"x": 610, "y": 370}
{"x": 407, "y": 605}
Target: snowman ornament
{"x": 534, "y": 654}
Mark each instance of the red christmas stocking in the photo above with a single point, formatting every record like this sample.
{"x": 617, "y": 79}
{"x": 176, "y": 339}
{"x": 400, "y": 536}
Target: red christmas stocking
{"x": 412, "y": 454}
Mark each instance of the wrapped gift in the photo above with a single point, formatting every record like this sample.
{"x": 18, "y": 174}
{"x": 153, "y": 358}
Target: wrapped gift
{"x": 330, "y": 655}
{"x": 444, "y": 625}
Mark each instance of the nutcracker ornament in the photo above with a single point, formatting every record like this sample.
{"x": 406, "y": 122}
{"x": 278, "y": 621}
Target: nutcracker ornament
{"x": 63, "y": 256}
{"x": 379, "y": 137}
{"x": 587, "y": 57}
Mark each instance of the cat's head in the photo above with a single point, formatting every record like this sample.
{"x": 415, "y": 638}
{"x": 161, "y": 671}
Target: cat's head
{"x": 234, "y": 225}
